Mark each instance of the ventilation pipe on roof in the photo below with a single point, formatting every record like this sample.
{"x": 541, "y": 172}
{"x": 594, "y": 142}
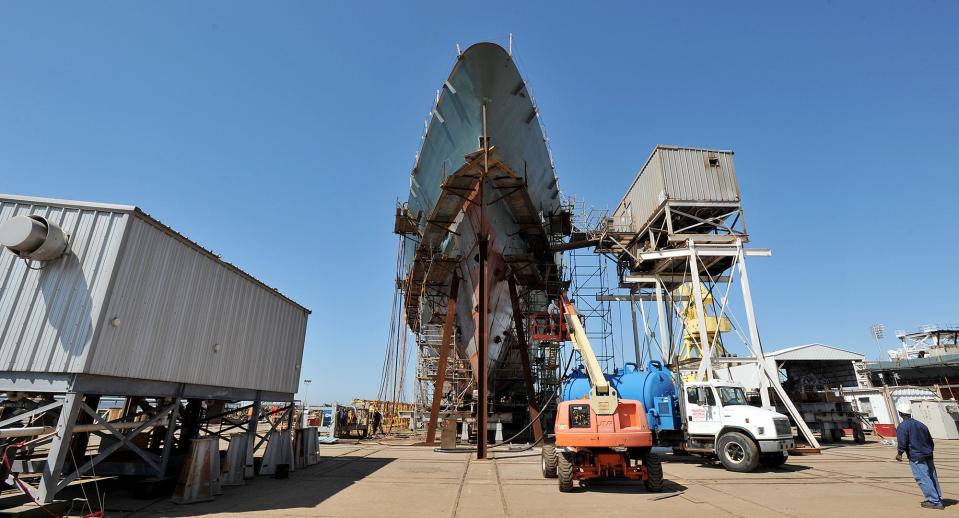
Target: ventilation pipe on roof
{"x": 33, "y": 238}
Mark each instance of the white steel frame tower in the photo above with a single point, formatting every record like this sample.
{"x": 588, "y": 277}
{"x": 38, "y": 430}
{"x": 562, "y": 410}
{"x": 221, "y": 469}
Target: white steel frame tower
{"x": 677, "y": 233}
{"x": 659, "y": 291}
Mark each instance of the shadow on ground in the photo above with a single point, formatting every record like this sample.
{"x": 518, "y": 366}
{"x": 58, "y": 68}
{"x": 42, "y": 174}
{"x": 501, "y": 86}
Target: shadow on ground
{"x": 304, "y": 489}
{"x": 791, "y": 465}
{"x": 629, "y": 486}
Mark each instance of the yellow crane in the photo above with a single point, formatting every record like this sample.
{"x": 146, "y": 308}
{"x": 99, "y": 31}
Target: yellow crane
{"x": 691, "y": 348}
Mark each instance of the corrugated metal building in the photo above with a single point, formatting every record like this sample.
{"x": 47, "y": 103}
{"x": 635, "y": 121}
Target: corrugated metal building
{"x": 830, "y": 364}
{"x": 677, "y": 174}
{"x": 134, "y": 299}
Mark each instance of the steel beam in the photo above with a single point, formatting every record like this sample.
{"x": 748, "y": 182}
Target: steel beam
{"x": 481, "y": 330}
{"x": 50, "y": 478}
{"x": 705, "y": 352}
{"x": 446, "y": 347}
{"x": 124, "y": 441}
{"x": 168, "y": 438}
{"x": 632, "y": 310}
{"x": 248, "y": 469}
{"x": 482, "y": 359}
{"x": 150, "y": 458}
{"x": 523, "y": 349}
{"x": 53, "y": 383}
{"x": 20, "y": 417}
{"x": 704, "y": 252}
{"x": 665, "y": 341}
{"x": 633, "y": 298}
{"x": 80, "y": 440}
{"x": 669, "y": 279}
{"x": 771, "y": 374}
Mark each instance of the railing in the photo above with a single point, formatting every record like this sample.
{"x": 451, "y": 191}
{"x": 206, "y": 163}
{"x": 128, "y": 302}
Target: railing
{"x": 547, "y": 327}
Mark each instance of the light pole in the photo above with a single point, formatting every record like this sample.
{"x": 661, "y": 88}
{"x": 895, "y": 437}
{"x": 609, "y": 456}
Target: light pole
{"x": 306, "y": 390}
{"x": 878, "y": 330}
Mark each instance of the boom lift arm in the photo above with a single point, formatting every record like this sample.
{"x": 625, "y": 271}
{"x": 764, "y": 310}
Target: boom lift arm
{"x": 602, "y": 396}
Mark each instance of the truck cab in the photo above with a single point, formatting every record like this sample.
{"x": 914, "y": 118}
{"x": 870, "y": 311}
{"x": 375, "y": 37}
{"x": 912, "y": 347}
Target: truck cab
{"x": 720, "y": 421}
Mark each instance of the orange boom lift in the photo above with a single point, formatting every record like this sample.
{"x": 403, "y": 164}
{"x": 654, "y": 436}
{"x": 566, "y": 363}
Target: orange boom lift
{"x": 599, "y": 436}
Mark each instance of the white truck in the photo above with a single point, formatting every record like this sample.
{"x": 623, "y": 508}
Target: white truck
{"x": 717, "y": 420}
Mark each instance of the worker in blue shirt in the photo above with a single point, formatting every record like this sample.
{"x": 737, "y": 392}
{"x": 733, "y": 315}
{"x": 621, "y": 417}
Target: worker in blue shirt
{"x": 916, "y": 442}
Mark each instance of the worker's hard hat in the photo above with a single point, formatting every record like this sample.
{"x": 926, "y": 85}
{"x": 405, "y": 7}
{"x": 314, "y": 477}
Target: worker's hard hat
{"x": 904, "y": 407}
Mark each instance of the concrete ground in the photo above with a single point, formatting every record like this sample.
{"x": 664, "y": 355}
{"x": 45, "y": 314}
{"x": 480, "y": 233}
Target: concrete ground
{"x": 372, "y": 480}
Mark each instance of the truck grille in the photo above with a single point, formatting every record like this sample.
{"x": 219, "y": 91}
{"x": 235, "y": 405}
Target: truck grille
{"x": 782, "y": 426}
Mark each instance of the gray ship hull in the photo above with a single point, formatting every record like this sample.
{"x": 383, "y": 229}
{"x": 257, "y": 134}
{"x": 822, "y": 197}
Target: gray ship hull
{"x": 484, "y": 74}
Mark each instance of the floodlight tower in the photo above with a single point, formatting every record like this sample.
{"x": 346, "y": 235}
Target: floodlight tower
{"x": 878, "y": 331}
{"x": 306, "y": 390}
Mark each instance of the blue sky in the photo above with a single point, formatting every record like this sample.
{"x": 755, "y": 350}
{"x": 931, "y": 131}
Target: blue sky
{"x": 281, "y": 135}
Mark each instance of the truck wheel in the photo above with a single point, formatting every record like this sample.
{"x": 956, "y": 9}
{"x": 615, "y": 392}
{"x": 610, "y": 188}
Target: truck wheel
{"x": 564, "y": 470}
{"x": 773, "y": 460}
{"x": 654, "y": 473}
{"x": 549, "y": 461}
{"x": 858, "y": 435}
{"x": 737, "y": 452}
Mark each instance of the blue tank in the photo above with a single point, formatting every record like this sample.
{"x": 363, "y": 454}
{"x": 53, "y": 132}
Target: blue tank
{"x": 652, "y": 386}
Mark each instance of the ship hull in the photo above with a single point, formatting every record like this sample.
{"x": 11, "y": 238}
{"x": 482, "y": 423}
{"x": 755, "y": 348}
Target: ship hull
{"x": 483, "y": 77}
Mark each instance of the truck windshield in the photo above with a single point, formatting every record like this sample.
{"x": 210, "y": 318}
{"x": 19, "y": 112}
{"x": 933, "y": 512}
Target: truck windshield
{"x": 732, "y": 396}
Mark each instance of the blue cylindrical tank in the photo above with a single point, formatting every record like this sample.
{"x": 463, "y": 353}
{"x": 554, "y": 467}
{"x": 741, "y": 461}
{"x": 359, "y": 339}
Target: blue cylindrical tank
{"x": 576, "y": 385}
{"x": 646, "y": 385}
{"x": 643, "y": 385}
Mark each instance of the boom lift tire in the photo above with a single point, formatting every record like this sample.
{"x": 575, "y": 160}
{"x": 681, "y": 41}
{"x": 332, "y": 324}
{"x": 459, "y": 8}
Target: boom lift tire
{"x": 737, "y": 452}
{"x": 773, "y": 460}
{"x": 549, "y": 461}
{"x": 654, "y": 473}
{"x": 639, "y": 453}
{"x": 564, "y": 470}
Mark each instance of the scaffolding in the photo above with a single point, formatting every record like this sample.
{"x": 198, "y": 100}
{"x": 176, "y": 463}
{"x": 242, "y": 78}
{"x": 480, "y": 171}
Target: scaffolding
{"x": 587, "y": 274}
{"x": 426, "y": 280}
{"x": 458, "y": 376}
{"x": 544, "y": 354}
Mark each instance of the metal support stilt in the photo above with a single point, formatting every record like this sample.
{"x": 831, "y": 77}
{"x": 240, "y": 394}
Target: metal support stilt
{"x": 523, "y": 350}
{"x": 664, "y": 339}
{"x": 482, "y": 357}
{"x": 755, "y": 344}
{"x": 168, "y": 437}
{"x": 770, "y": 376}
{"x": 248, "y": 469}
{"x": 53, "y": 469}
{"x": 446, "y": 347}
{"x": 290, "y": 412}
{"x": 80, "y": 440}
{"x": 481, "y": 345}
{"x": 705, "y": 352}
{"x": 632, "y": 309}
